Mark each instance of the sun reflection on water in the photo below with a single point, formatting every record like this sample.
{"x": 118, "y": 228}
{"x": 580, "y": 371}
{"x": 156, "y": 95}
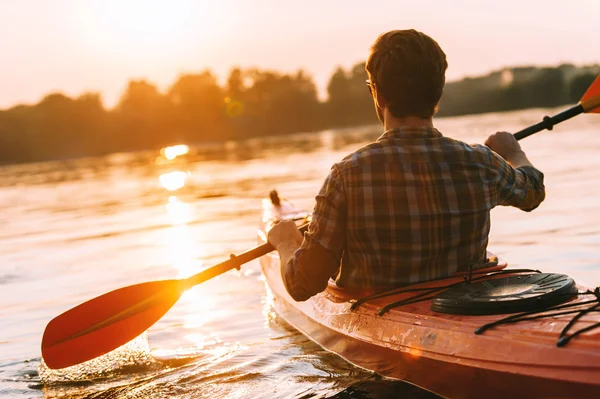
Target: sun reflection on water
{"x": 268, "y": 305}
{"x": 173, "y": 181}
{"x": 180, "y": 246}
{"x": 174, "y": 151}
{"x": 184, "y": 253}
{"x": 179, "y": 212}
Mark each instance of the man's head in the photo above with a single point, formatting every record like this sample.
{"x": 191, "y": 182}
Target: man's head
{"x": 407, "y": 73}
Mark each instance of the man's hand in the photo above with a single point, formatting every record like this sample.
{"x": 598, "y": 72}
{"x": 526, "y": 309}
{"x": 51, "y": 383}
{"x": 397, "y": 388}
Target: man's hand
{"x": 507, "y": 146}
{"x": 285, "y": 234}
{"x": 286, "y": 239}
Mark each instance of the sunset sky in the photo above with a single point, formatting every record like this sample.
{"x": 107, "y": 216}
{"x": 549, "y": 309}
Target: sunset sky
{"x": 74, "y": 46}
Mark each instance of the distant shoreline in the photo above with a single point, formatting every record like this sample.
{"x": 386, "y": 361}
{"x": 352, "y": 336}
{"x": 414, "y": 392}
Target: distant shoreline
{"x": 210, "y": 150}
{"x": 253, "y": 103}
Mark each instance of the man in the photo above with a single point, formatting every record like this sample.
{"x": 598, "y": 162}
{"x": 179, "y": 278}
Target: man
{"x": 414, "y": 205}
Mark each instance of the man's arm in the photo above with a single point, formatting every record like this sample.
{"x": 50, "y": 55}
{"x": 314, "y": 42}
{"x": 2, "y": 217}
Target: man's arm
{"x": 506, "y": 145}
{"x": 286, "y": 239}
{"x": 306, "y": 269}
{"x": 519, "y": 183}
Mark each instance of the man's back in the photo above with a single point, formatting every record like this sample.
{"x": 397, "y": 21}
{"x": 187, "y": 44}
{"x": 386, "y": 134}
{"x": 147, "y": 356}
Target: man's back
{"x": 414, "y": 205}
{"x": 418, "y": 204}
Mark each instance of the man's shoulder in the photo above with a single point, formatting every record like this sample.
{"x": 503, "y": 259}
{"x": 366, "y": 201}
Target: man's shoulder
{"x": 453, "y": 149}
{"x": 362, "y": 155}
{"x": 474, "y": 150}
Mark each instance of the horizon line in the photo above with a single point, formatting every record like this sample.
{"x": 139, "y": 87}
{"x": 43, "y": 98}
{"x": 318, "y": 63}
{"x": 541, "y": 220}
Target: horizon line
{"x": 218, "y": 78}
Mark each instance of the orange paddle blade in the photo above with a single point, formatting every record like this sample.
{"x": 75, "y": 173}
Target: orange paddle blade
{"x": 591, "y": 99}
{"x": 104, "y": 323}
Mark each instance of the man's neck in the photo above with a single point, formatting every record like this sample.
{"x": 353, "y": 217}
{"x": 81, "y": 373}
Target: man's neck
{"x": 391, "y": 122}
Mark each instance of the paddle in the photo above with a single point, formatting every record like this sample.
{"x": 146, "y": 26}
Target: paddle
{"x": 589, "y": 103}
{"x": 106, "y": 322}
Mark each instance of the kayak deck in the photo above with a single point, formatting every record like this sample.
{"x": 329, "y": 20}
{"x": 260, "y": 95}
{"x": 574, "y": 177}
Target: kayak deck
{"x": 441, "y": 352}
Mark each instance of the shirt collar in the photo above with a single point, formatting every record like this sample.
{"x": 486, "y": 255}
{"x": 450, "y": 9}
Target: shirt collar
{"x": 412, "y": 132}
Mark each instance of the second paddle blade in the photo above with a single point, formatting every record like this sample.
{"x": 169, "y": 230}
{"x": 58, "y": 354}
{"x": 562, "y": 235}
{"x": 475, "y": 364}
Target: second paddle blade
{"x": 593, "y": 91}
{"x": 104, "y": 323}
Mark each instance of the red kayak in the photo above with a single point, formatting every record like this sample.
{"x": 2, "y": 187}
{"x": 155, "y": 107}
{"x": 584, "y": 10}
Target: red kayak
{"x": 504, "y": 333}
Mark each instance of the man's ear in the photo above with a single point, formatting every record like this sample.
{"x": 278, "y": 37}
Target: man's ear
{"x": 380, "y": 99}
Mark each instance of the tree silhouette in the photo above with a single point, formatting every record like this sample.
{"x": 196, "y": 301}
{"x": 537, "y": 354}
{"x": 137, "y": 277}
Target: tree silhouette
{"x": 199, "y": 108}
{"x": 141, "y": 119}
{"x": 253, "y": 102}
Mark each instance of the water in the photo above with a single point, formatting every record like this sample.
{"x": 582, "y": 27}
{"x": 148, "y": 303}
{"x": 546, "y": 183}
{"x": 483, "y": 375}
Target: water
{"x": 73, "y": 230}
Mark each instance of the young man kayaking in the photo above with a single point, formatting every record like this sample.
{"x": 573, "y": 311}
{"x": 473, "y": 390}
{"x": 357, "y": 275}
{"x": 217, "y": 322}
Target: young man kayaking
{"x": 414, "y": 205}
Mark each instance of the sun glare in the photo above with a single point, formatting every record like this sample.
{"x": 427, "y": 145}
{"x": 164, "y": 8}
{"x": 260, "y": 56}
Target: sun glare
{"x": 146, "y": 18}
{"x": 132, "y": 28}
{"x": 173, "y": 181}
{"x": 174, "y": 151}
{"x": 179, "y": 212}
{"x": 184, "y": 252}
{"x": 182, "y": 249}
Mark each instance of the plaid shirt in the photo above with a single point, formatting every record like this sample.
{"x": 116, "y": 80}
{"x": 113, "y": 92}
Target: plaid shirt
{"x": 410, "y": 207}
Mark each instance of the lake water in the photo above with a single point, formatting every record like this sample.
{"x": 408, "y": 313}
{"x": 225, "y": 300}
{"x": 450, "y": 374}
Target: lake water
{"x": 74, "y": 230}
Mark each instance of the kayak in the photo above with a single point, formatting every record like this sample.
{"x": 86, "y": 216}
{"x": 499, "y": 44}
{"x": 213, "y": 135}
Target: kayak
{"x": 450, "y": 336}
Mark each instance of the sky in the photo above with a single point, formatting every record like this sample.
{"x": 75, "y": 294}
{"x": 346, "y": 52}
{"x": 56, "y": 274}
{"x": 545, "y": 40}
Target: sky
{"x": 74, "y": 46}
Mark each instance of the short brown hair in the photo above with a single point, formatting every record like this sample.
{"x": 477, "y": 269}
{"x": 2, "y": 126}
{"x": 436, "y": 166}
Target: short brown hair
{"x": 408, "y": 68}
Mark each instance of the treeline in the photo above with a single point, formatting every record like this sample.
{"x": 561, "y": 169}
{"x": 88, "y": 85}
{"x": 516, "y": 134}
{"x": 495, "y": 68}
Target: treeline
{"x": 196, "y": 109}
{"x": 517, "y": 88}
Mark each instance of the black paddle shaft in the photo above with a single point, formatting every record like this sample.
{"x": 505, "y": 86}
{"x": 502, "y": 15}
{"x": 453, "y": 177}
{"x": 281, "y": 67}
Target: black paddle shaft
{"x": 549, "y": 121}
{"x": 233, "y": 263}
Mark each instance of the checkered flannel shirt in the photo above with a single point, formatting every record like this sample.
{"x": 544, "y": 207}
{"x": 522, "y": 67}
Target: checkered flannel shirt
{"x": 412, "y": 206}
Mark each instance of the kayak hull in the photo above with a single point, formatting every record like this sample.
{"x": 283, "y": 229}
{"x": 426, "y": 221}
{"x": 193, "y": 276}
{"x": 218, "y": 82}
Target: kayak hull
{"x": 440, "y": 352}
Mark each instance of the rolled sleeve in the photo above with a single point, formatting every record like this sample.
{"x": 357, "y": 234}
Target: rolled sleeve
{"x": 521, "y": 187}
{"x": 320, "y": 253}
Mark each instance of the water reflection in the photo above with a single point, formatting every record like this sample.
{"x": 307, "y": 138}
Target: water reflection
{"x": 173, "y": 152}
{"x": 179, "y": 212}
{"x": 173, "y": 181}
{"x": 183, "y": 252}
{"x": 146, "y": 163}
{"x": 179, "y": 243}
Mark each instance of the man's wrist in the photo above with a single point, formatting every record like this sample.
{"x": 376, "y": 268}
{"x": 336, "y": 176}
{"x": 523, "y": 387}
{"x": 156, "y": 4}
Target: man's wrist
{"x": 288, "y": 248}
{"x": 518, "y": 158}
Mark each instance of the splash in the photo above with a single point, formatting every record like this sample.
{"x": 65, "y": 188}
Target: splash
{"x": 130, "y": 358}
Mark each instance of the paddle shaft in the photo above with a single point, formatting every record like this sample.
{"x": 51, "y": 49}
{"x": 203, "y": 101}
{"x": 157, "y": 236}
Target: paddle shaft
{"x": 233, "y": 263}
{"x": 549, "y": 121}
